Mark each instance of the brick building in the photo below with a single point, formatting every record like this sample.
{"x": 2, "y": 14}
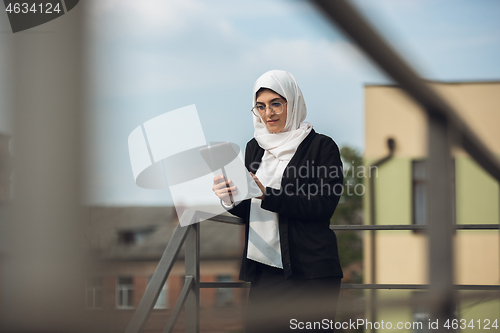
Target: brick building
{"x": 127, "y": 243}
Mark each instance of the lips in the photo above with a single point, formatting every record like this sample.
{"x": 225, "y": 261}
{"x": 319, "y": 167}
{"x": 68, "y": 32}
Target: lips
{"x": 272, "y": 121}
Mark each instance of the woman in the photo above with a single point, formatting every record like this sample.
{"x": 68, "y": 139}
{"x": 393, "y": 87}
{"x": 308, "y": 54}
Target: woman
{"x": 290, "y": 254}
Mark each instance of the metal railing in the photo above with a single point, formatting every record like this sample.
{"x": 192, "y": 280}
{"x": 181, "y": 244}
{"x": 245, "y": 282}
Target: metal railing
{"x": 445, "y": 128}
{"x": 190, "y": 293}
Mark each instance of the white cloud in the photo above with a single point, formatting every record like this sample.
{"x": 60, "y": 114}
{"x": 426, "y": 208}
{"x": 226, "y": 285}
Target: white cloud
{"x": 133, "y": 18}
{"x": 317, "y": 56}
{"x": 142, "y": 71}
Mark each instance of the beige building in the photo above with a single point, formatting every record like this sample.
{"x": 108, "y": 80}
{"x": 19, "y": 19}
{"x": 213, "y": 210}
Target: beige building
{"x": 401, "y": 256}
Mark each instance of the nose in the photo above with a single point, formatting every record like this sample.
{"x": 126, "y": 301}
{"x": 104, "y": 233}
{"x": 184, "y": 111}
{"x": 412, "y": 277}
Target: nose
{"x": 268, "y": 107}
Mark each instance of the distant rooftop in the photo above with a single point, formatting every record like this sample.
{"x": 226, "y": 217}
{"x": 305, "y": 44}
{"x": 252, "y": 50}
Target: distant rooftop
{"x": 142, "y": 233}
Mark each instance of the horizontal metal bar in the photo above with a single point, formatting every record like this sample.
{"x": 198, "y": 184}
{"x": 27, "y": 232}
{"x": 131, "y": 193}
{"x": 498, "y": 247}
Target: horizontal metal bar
{"x": 418, "y": 286}
{"x": 476, "y": 226}
{"x": 224, "y": 284}
{"x": 351, "y": 305}
{"x": 220, "y": 218}
{"x": 477, "y": 287}
{"x": 238, "y": 221}
{"x": 360, "y": 286}
{"x": 413, "y": 227}
{"x": 188, "y": 283}
{"x": 383, "y": 286}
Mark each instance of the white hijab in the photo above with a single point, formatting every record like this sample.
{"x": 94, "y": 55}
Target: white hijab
{"x": 279, "y": 148}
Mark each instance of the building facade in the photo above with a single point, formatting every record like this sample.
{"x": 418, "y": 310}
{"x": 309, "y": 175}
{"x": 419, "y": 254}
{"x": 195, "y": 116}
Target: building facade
{"x": 401, "y": 257}
{"x": 127, "y": 244}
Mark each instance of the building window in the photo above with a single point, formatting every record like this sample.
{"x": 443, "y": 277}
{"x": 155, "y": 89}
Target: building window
{"x": 134, "y": 236}
{"x": 126, "y": 237}
{"x": 224, "y": 296}
{"x": 162, "y": 301}
{"x": 124, "y": 292}
{"x": 94, "y": 293}
{"x": 419, "y": 191}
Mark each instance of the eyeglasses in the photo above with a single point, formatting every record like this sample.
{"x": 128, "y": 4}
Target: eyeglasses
{"x": 276, "y": 108}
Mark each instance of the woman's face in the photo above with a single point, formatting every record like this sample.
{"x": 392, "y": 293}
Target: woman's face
{"x": 275, "y": 123}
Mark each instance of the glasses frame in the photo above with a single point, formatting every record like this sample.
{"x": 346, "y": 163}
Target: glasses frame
{"x": 254, "y": 109}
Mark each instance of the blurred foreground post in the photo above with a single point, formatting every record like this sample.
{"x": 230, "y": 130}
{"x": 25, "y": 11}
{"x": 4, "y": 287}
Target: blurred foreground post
{"x": 440, "y": 220}
{"x": 44, "y": 274}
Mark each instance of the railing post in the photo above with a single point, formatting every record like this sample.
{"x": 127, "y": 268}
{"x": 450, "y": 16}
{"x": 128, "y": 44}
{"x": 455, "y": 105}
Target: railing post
{"x": 442, "y": 295}
{"x": 192, "y": 262}
{"x": 158, "y": 280}
{"x": 373, "y": 255}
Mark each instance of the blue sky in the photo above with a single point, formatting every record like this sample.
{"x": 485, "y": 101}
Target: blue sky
{"x": 149, "y": 57}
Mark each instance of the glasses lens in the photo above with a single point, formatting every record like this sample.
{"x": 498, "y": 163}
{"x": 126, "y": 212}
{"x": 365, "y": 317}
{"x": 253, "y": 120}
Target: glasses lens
{"x": 256, "y": 111}
{"x": 277, "y": 107}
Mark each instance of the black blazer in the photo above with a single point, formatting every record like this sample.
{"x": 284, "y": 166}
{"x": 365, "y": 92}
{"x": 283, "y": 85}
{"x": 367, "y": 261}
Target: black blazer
{"x": 310, "y": 191}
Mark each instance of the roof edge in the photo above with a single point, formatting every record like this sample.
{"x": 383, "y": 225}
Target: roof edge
{"x": 434, "y": 81}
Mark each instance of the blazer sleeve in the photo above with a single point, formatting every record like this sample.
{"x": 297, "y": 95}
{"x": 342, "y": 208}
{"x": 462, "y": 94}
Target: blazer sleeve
{"x": 313, "y": 198}
{"x": 242, "y": 208}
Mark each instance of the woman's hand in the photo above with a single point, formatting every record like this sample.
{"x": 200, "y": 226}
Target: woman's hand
{"x": 262, "y": 188}
{"x": 222, "y": 189}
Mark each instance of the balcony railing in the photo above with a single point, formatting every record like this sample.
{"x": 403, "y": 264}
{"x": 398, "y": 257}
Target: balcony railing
{"x": 445, "y": 128}
{"x": 190, "y": 293}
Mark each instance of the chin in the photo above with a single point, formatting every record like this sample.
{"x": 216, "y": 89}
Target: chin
{"x": 275, "y": 130}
